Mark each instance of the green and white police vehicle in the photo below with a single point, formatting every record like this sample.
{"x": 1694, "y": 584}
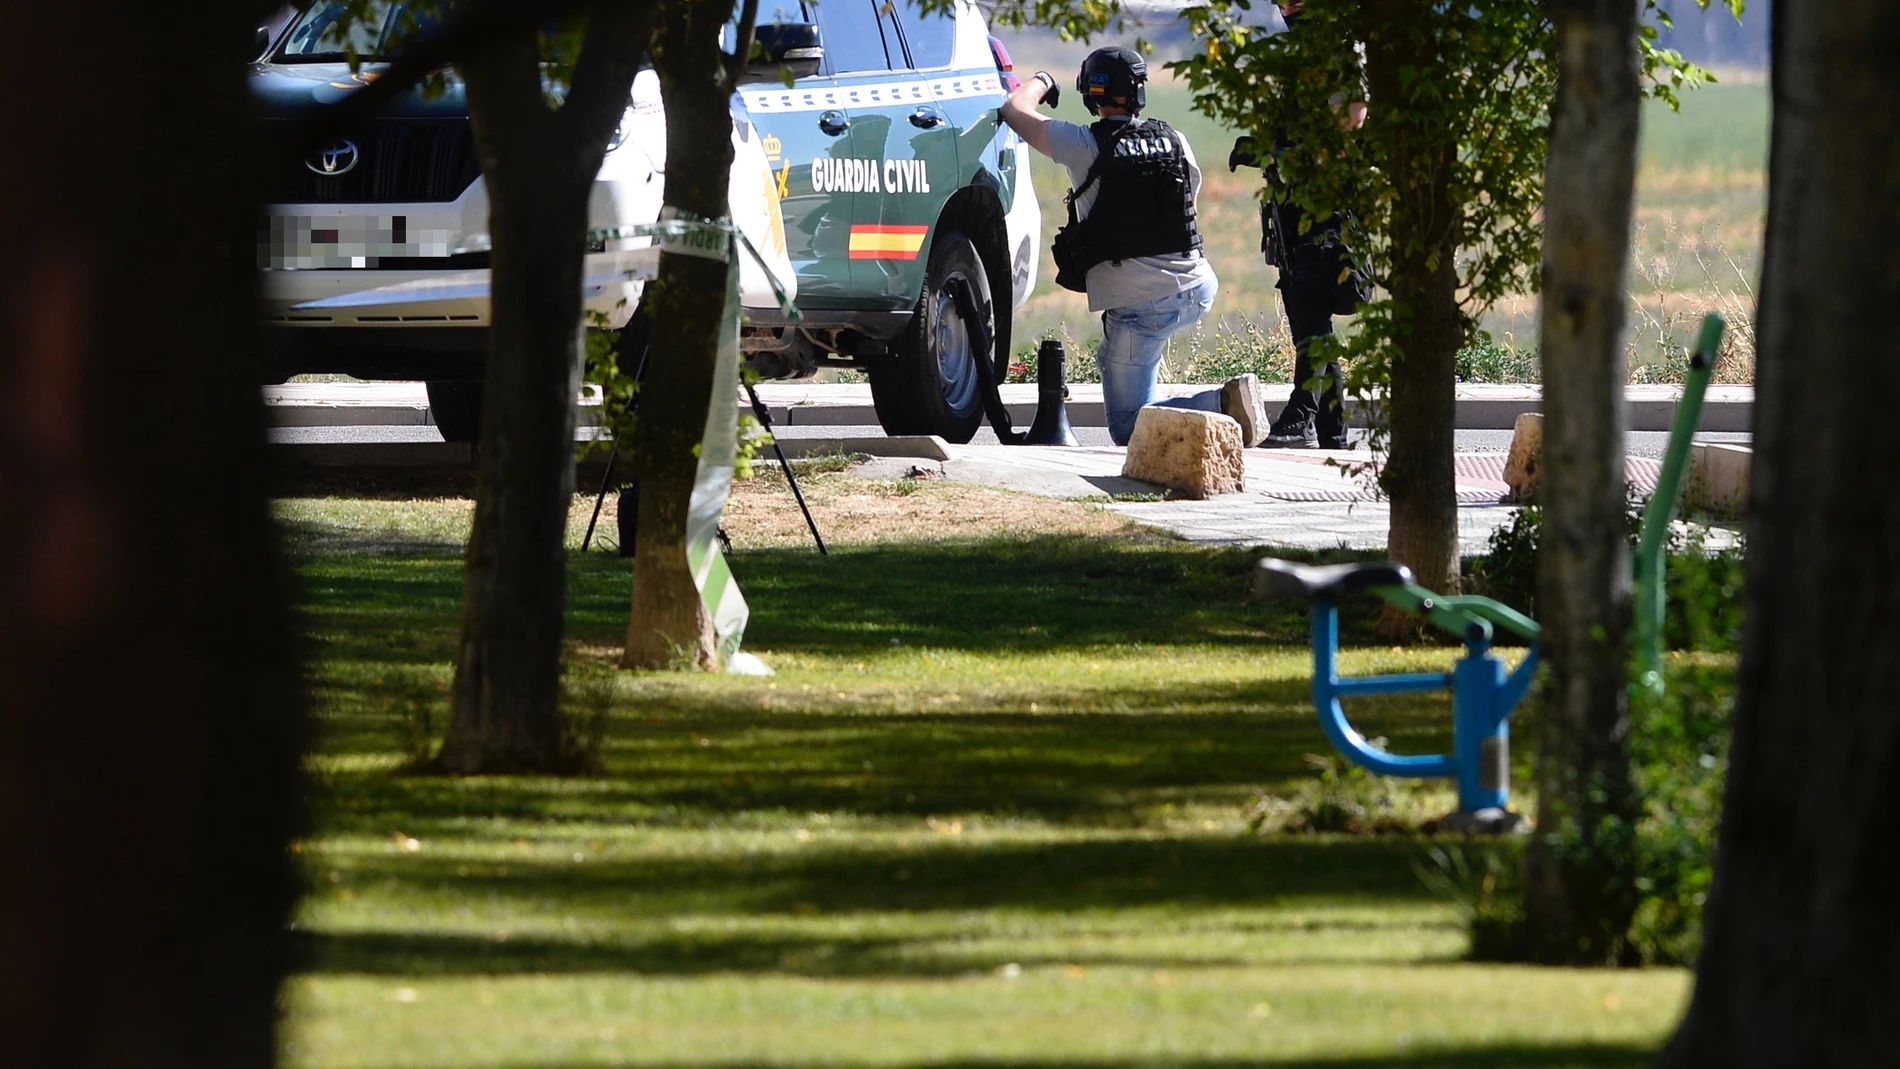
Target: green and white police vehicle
{"x": 908, "y": 209}
{"x": 879, "y": 186}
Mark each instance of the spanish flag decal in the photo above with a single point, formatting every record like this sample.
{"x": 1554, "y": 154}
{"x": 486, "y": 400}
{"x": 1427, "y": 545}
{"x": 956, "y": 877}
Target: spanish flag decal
{"x": 887, "y": 242}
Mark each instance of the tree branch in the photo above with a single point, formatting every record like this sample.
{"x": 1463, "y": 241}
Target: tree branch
{"x": 735, "y": 64}
{"x": 507, "y": 112}
{"x": 618, "y": 33}
{"x": 470, "y": 26}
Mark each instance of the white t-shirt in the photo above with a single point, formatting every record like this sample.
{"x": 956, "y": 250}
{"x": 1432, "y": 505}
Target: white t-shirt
{"x": 1120, "y": 283}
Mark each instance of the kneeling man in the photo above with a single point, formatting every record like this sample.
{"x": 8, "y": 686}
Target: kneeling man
{"x": 1131, "y": 210}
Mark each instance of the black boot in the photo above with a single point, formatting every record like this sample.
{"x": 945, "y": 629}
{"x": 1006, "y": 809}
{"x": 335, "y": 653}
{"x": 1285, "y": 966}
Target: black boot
{"x": 1293, "y": 430}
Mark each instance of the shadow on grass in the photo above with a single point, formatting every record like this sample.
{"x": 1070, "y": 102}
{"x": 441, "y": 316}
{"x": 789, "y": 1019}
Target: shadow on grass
{"x": 791, "y": 901}
{"x": 781, "y": 953}
{"x": 1113, "y": 769}
{"x": 1501, "y": 1056}
{"x": 932, "y": 873}
{"x": 1506, "y": 1056}
{"x": 1040, "y": 593}
{"x": 998, "y": 594}
{"x": 710, "y": 760}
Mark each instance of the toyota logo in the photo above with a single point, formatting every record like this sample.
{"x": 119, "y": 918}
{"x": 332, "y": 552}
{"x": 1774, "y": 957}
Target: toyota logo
{"x": 335, "y": 159}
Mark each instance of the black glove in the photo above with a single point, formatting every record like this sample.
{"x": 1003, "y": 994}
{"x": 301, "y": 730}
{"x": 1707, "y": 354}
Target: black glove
{"x": 1245, "y": 154}
{"x": 1053, "y": 97}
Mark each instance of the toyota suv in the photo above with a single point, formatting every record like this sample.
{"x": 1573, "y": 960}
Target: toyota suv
{"x": 878, "y": 185}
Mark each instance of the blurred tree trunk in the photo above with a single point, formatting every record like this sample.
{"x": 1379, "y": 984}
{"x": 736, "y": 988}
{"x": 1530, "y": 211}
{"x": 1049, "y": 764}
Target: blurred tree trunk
{"x": 150, "y": 702}
{"x": 1426, "y": 225}
{"x": 1801, "y": 936}
{"x": 669, "y": 625}
{"x": 539, "y": 165}
{"x": 1579, "y": 868}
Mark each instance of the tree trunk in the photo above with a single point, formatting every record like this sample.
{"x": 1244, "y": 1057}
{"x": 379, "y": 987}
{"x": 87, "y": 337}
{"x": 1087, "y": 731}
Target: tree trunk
{"x": 150, "y": 706}
{"x": 669, "y": 625}
{"x": 539, "y": 167}
{"x": 1800, "y": 934}
{"x": 505, "y": 715}
{"x": 1579, "y": 869}
{"x": 1418, "y": 478}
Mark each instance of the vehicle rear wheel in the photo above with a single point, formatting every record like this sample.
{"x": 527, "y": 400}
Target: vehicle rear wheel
{"x": 930, "y": 384}
{"x": 456, "y": 408}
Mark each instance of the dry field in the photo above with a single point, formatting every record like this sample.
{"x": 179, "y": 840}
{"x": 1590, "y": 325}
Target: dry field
{"x": 1701, "y": 197}
{"x": 854, "y": 511}
{"x": 760, "y": 515}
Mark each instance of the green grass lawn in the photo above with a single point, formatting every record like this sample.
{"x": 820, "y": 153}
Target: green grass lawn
{"x": 991, "y": 811}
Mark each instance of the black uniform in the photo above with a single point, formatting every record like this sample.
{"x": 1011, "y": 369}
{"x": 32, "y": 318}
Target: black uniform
{"x": 1311, "y": 289}
{"x": 1317, "y": 282}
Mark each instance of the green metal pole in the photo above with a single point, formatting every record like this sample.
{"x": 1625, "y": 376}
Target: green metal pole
{"x": 1661, "y": 510}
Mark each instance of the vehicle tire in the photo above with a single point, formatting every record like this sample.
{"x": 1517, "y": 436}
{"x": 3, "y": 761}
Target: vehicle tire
{"x": 456, "y": 408}
{"x": 929, "y": 384}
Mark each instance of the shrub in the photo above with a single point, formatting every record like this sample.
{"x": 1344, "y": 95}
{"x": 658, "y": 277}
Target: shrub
{"x": 1678, "y": 754}
{"x": 1199, "y": 356}
{"x": 1079, "y": 366}
{"x": 1508, "y": 570}
{"x": 1484, "y": 360}
{"x": 1702, "y": 588}
{"x": 1679, "y": 749}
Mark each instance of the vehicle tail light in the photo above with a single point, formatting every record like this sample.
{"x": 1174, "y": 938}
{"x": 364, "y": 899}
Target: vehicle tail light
{"x": 1004, "y": 65}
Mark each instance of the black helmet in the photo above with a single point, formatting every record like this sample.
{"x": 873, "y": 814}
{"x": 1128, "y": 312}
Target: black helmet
{"x": 1111, "y": 74}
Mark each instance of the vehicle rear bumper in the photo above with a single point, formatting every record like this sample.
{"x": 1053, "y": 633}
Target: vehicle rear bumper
{"x": 417, "y": 352}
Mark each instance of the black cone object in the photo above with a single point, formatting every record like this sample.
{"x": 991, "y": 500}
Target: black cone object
{"x": 1052, "y": 413}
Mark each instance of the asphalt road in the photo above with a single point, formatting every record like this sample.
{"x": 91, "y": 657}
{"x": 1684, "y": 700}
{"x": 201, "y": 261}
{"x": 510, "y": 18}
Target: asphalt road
{"x": 1641, "y": 443}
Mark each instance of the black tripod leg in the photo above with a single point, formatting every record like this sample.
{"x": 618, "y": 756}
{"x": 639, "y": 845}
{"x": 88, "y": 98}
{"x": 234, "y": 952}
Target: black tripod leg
{"x": 765, "y": 420}
{"x": 606, "y": 477}
{"x": 600, "y": 496}
{"x": 799, "y": 495}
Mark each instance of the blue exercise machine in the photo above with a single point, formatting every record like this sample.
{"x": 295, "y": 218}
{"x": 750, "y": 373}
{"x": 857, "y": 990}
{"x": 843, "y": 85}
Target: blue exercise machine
{"x": 1485, "y": 690}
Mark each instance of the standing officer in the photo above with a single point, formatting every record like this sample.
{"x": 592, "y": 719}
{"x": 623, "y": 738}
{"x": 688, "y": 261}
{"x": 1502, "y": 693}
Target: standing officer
{"x": 1311, "y": 267}
{"x": 1131, "y": 242}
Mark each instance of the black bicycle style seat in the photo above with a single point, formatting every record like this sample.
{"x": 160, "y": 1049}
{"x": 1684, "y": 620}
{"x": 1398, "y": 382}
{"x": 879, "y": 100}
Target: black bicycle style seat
{"x": 1274, "y": 578}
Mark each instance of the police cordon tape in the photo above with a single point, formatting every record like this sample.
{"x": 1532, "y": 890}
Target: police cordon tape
{"x": 684, "y": 234}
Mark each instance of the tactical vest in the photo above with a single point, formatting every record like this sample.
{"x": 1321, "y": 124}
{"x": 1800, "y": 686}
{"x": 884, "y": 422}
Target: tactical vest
{"x": 1145, "y": 206}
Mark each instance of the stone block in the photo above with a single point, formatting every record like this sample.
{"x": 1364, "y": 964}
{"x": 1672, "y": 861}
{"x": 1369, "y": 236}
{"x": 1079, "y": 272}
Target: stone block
{"x": 1718, "y": 478}
{"x": 1524, "y": 466}
{"x": 1195, "y": 454}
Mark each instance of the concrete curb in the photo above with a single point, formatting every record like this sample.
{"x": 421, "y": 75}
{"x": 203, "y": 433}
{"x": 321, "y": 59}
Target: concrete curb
{"x": 1718, "y": 478}
{"x": 1480, "y": 407}
{"x": 918, "y": 446}
{"x": 345, "y": 456}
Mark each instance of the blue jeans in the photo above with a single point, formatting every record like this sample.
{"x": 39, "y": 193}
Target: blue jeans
{"x": 1133, "y": 339}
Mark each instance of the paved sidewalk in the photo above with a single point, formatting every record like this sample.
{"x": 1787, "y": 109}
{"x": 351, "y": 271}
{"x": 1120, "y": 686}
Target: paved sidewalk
{"x": 1309, "y": 499}
{"x": 1481, "y": 406}
{"x": 812, "y": 404}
